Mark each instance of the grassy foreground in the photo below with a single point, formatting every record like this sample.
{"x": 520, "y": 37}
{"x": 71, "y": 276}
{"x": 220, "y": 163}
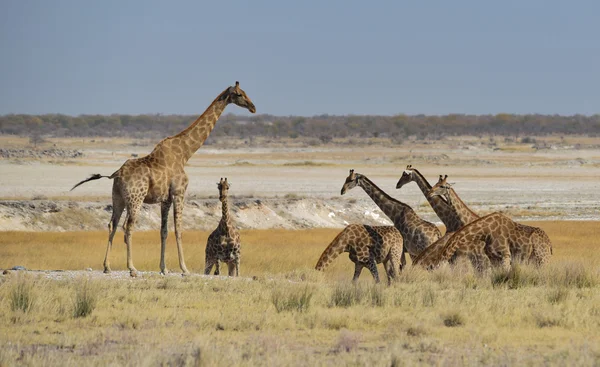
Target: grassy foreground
{"x": 289, "y": 314}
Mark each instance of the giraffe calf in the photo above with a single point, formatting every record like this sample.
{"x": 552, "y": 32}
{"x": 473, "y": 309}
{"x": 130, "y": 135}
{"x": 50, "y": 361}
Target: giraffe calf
{"x": 228, "y": 252}
{"x": 223, "y": 243}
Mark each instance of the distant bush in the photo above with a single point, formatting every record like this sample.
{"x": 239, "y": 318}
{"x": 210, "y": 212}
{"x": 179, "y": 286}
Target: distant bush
{"x": 320, "y": 129}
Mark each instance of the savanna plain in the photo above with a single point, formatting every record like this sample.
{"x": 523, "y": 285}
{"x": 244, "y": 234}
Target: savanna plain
{"x": 280, "y": 311}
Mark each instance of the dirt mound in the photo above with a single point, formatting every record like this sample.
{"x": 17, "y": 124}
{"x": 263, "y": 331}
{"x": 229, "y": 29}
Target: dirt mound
{"x": 202, "y": 214}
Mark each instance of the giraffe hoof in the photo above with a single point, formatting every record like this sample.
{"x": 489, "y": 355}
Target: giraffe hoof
{"x": 164, "y": 272}
{"x": 107, "y": 270}
{"x": 133, "y": 273}
{"x": 185, "y": 274}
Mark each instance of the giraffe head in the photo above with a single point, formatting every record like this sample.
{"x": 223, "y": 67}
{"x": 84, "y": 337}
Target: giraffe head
{"x": 427, "y": 260}
{"x": 441, "y": 188}
{"x": 351, "y": 181}
{"x": 223, "y": 186}
{"x": 407, "y": 176}
{"x": 237, "y": 96}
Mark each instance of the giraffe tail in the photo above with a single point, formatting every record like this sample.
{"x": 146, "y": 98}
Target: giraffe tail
{"x": 335, "y": 248}
{"x": 91, "y": 178}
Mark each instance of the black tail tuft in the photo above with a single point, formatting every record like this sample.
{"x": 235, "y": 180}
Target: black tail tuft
{"x": 91, "y": 178}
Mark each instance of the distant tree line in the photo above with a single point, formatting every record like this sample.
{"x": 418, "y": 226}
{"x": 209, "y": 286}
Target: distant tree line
{"x": 323, "y": 127}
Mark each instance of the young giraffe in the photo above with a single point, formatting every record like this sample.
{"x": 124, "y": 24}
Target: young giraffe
{"x": 494, "y": 238}
{"x": 368, "y": 246}
{"x": 416, "y": 232}
{"x": 223, "y": 244}
{"x": 160, "y": 177}
{"x": 453, "y": 217}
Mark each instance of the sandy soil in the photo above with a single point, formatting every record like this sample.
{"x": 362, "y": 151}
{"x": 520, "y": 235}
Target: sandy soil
{"x": 292, "y": 180}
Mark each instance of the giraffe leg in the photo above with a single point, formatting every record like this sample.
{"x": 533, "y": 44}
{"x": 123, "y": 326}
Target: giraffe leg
{"x": 391, "y": 269}
{"x": 481, "y": 262}
{"x": 357, "y": 270}
{"x": 217, "y": 267}
{"x": 388, "y": 265}
{"x": 118, "y": 207}
{"x": 177, "y": 211}
{"x": 402, "y": 260}
{"x": 372, "y": 265}
{"x": 209, "y": 264}
{"x": 231, "y": 268}
{"x": 164, "y": 231}
{"x": 132, "y": 211}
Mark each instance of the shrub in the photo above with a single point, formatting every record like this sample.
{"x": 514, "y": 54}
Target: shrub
{"x": 558, "y": 295}
{"x": 377, "y": 296}
{"x": 517, "y": 277}
{"x": 428, "y": 297}
{"x": 292, "y": 300}
{"x": 22, "y": 296}
{"x": 543, "y": 321}
{"x": 86, "y": 295}
{"x": 453, "y": 319}
{"x": 579, "y": 276}
{"x": 346, "y": 295}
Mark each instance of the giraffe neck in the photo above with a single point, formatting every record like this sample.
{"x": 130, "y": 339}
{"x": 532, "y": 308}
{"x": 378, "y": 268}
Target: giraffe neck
{"x": 438, "y": 204}
{"x": 421, "y": 181}
{"x": 394, "y": 209}
{"x": 463, "y": 212}
{"x": 192, "y": 138}
{"x": 224, "y": 223}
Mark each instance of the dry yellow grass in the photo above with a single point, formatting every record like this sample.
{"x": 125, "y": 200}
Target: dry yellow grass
{"x": 292, "y": 315}
{"x": 263, "y": 251}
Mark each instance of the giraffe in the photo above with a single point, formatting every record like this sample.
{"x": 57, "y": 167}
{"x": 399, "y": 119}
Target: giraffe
{"x": 454, "y": 217}
{"x": 416, "y": 232}
{"x": 224, "y": 242}
{"x": 160, "y": 177}
{"x": 451, "y": 207}
{"x": 541, "y": 246}
{"x": 493, "y": 239}
{"x": 368, "y": 246}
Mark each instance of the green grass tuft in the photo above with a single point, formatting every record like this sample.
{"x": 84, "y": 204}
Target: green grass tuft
{"x": 292, "y": 299}
{"x": 22, "y": 296}
{"x": 86, "y": 295}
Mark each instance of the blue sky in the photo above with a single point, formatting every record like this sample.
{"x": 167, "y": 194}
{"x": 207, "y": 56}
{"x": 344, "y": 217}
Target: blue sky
{"x": 302, "y": 57}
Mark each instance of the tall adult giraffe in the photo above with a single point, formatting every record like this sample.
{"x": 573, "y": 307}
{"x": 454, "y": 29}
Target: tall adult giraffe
{"x": 454, "y": 217}
{"x": 160, "y": 177}
{"x": 416, "y": 232}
